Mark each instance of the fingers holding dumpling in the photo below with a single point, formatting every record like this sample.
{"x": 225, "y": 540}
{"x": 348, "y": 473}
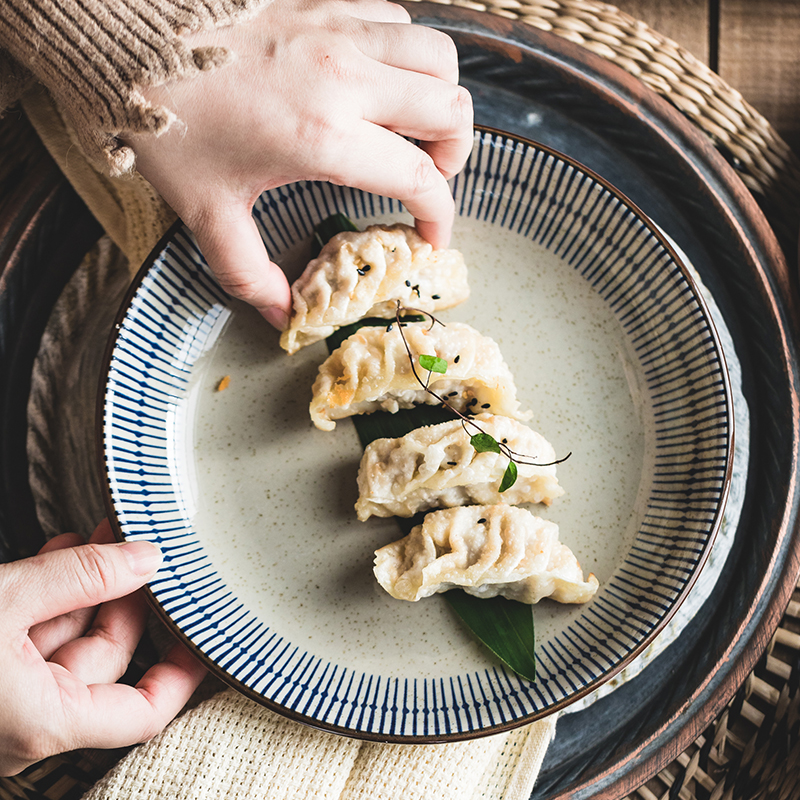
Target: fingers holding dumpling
{"x": 367, "y": 273}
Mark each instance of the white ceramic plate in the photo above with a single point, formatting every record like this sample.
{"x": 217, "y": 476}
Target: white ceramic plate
{"x": 267, "y": 572}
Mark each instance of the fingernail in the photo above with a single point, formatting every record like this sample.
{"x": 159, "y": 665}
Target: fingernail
{"x": 143, "y": 557}
{"x": 276, "y": 317}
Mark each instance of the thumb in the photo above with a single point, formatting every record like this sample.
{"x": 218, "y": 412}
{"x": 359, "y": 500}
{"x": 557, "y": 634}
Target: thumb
{"x": 238, "y": 258}
{"x": 50, "y": 584}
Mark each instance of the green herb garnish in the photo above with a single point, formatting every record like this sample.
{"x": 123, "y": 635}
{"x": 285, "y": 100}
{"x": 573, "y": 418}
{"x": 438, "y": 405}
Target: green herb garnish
{"x": 509, "y": 477}
{"x": 484, "y": 443}
{"x": 433, "y": 364}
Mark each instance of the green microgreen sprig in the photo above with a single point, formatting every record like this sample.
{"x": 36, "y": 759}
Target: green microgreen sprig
{"x": 481, "y": 441}
{"x": 433, "y": 364}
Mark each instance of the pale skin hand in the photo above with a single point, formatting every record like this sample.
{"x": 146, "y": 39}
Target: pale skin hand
{"x": 319, "y": 90}
{"x": 70, "y": 621}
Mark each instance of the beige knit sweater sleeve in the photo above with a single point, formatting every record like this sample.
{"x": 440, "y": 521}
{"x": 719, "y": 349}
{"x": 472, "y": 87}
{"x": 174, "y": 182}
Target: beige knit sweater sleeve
{"x": 95, "y": 56}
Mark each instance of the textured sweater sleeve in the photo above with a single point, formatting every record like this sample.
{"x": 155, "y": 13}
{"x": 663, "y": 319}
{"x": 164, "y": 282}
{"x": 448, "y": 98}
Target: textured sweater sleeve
{"x": 94, "y": 57}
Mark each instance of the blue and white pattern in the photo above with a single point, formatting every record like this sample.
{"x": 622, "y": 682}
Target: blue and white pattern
{"x": 174, "y": 317}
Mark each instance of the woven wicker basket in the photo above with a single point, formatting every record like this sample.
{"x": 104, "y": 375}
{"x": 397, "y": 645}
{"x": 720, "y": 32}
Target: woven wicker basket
{"x": 753, "y": 748}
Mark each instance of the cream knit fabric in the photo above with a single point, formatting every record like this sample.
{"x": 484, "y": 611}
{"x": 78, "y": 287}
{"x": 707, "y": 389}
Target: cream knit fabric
{"x": 230, "y": 748}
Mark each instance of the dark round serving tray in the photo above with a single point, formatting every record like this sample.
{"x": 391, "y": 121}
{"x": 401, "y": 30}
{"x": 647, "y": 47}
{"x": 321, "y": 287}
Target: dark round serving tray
{"x": 45, "y": 230}
{"x": 550, "y": 90}
{"x": 547, "y": 89}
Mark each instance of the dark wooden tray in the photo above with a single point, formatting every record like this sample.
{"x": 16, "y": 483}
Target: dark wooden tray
{"x": 542, "y": 87}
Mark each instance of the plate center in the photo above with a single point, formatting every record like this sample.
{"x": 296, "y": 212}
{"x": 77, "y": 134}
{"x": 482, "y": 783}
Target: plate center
{"x": 274, "y": 496}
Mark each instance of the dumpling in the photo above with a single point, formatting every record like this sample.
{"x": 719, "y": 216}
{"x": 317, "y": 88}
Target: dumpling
{"x": 364, "y": 273}
{"x": 436, "y": 466}
{"x": 371, "y": 371}
{"x": 486, "y": 551}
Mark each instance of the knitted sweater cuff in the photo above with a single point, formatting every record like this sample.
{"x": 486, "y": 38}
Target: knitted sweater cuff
{"x": 95, "y": 56}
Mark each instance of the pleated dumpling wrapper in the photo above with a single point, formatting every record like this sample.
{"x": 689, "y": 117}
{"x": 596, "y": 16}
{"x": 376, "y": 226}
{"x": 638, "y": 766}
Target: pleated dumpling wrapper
{"x": 364, "y": 274}
{"x": 437, "y": 467}
{"x": 371, "y": 370}
{"x": 486, "y": 551}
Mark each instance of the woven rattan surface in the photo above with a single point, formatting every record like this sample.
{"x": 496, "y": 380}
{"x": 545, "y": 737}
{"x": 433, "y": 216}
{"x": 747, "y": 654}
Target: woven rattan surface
{"x": 767, "y": 165}
{"x": 753, "y": 749}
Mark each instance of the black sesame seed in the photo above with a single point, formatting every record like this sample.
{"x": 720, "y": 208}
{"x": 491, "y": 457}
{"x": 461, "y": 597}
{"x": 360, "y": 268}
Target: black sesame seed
{"x": 456, "y": 359}
{"x": 360, "y": 271}
{"x": 486, "y": 405}
{"x": 481, "y": 520}
{"x": 408, "y": 283}
{"x": 391, "y": 325}
{"x": 451, "y": 463}
{"x": 436, "y": 297}
{"x": 367, "y": 268}
{"x": 505, "y": 441}
{"x": 452, "y": 394}
{"x": 473, "y": 402}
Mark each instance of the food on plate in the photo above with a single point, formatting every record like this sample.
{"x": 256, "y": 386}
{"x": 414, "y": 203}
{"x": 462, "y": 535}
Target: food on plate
{"x": 364, "y": 274}
{"x": 437, "y": 466}
{"x": 372, "y": 370}
{"x": 484, "y": 456}
{"x": 486, "y": 551}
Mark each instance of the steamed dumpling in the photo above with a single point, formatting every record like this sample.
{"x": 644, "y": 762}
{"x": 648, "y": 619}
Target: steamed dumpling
{"x": 364, "y": 273}
{"x": 371, "y": 371}
{"x": 436, "y": 466}
{"x": 486, "y": 551}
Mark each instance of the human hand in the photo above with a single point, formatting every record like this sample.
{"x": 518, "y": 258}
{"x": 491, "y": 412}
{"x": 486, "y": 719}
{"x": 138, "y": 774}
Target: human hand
{"x": 68, "y": 629}
{"x": 319, "y": 90}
